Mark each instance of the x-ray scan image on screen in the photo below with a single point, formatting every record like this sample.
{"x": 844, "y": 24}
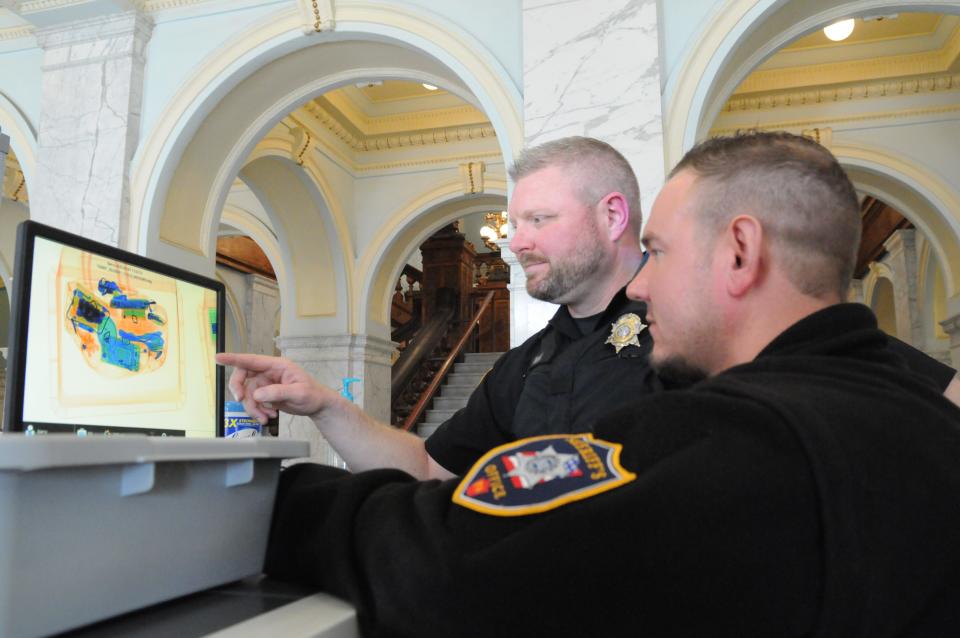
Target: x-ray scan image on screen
{"x": 110, "y": 341}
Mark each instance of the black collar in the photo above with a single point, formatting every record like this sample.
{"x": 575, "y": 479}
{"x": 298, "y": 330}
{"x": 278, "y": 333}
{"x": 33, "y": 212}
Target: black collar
{"x": 563, "y": 323}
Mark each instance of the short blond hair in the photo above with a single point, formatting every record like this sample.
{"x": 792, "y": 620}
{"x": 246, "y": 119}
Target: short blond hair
{"x": 598, "y": 168}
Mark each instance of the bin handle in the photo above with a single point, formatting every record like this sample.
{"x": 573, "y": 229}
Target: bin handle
{"x": 137, "y": 478}
{"x": 239, "y": 472}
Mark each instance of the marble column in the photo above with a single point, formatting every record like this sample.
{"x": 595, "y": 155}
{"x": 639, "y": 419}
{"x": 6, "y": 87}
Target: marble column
{"x": 855, "y": 292}
{"x": 4, "y": 149}
{"x": 527, "y": 315}
{"x": 330, "y": 359}
{"x": 951, "y": 326}
{"x": 901, "y": 258}
{"x": 262, "y": 306}
{"x": 3, "y": 382}
{"x": 591, "y": 67}
{"x": 91, "y": 93}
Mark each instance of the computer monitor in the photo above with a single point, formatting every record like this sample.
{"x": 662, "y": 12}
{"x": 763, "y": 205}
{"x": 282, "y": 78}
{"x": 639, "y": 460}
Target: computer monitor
{"x": 106, "y": 341}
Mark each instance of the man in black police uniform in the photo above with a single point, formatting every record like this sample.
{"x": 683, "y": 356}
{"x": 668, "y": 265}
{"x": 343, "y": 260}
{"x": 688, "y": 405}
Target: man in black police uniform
{"x": 575, "y": 210}
{"x": 809, "y": 486}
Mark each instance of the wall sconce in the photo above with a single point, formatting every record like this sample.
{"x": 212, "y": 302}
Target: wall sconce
{"x": 495, "y": 226}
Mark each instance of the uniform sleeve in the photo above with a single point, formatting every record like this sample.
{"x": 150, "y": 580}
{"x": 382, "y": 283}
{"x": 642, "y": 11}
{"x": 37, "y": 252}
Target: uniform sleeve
{"x": 923, "y": 364}
{"x": 669, "y": 552}
{"x": 485, "y": 421}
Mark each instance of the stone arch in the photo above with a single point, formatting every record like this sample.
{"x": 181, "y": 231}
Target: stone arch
{"x": 920, "y": 196}
{"x": 256, "y": 230}
{"x": 314, "y": 288}
{"x": 931, "y": 296}
{"x": 882, "y": 300}
{"x": 183, "y": 169}
{"x": 737, "y": 38}
{"x": 23, "y": 137}
{"x": 410, "y": 227}
{"x": 235, "y": 321}
{"x": 23, "y": 144}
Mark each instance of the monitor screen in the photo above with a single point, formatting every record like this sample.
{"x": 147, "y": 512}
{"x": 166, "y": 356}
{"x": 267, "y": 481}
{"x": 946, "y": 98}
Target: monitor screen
{"x": 103, "y": 340}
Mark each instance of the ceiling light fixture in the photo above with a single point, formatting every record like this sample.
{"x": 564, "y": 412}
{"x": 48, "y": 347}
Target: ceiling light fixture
{"x": 839, "y": 30}
{"x": 429, "y": 87}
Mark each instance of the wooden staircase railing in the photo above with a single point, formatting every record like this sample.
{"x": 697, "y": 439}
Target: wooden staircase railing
{"x": 438, "y": 378}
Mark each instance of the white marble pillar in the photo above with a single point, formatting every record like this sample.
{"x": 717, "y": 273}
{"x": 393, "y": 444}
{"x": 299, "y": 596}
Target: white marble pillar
{"x": 901, "y": 258}
{"x": 527, "y": 315}
{"x": 855, "y": 292}
{"x": 4, "y": 148}
{"x": 262, "y": 305}
{"x": 91, "y": 93}
{"x": 591, "y": 67}
{"x": 951, "y": 326}
{"x": 331, "y": 358}
{"x": 3, "y": 382}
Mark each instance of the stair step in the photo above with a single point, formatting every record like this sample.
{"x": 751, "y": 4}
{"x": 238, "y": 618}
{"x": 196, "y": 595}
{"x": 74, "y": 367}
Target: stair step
{"x": 456, "y": 390}
{"x": 438, "y": 416}
{"x": 449, "y": 403}
{"x": 471, "y": 368}
{"x": 488, "y": 358}
{"x": 464, "y": 378}
{"x": 449, "y": 391}
{"x": 426, "y": 430}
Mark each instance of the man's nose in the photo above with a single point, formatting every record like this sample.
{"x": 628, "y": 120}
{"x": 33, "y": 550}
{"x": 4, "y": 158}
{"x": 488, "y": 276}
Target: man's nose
{"x": 520, "y": 240}
{"x": 637, "y": 288}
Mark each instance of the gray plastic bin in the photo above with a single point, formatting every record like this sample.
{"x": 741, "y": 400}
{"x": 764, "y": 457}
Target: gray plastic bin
{"x": 91, "y": 527}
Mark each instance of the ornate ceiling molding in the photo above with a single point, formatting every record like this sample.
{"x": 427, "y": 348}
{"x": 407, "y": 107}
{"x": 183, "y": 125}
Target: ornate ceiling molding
{"x": 359, "y": 142}
{"x": 850, "y": 92}
{"x": 827, "y": 121}
{"x": 14, "y": 33}
{"x": 938, "y": 61}
{"x": 338, "y": 102}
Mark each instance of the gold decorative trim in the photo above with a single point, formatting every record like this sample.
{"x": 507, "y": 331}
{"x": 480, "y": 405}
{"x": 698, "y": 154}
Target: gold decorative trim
{"x": 317, "y": 15}
{"x": 399, "y": 122}
{"x": 821, "y": 121}
{"x": 864, "y": 90}
{"x": 417, "y": 163}
{"x": 14, "y": 33}
{"x": 472, "y": 175}
{"x": 427, "y": 137}
{"x": 939, "y": 61}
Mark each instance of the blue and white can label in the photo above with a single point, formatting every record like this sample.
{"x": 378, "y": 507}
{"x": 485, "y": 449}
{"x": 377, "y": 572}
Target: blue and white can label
{"x": 237, "y": 424}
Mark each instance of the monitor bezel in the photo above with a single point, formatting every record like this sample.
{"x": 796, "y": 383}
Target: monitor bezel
{"x": 27, "y": 234}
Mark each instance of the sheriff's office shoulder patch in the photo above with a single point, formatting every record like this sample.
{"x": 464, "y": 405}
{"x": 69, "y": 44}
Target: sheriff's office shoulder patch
{"x": 541, "y": 473}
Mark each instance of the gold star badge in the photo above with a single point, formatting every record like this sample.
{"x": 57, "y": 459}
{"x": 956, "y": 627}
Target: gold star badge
{"x": 625, "y": 331}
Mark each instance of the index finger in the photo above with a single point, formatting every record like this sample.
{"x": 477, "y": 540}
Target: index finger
{"x": 251, "y": 362}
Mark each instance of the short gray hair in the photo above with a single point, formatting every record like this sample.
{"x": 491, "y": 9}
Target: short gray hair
{"x": 798, "y": 191}
{"x": 599, "y": 169}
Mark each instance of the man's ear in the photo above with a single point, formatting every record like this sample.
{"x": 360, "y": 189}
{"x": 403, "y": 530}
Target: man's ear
{"x": 615, "y": 213}
{"x": 744, "y": 254}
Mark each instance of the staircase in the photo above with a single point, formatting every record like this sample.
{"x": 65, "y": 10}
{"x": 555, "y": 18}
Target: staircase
{"x": 456, "y": 390}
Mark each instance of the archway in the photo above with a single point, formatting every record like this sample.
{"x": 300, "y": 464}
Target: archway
{"x": 741, "y": 35}
{"x": 199, "y": 145}
{"x": 412, "y": 226}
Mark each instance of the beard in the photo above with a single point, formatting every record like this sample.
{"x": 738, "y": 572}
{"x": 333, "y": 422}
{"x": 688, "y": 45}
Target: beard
{"x": 565, "y": 274}
{"x": 677, "y": 372}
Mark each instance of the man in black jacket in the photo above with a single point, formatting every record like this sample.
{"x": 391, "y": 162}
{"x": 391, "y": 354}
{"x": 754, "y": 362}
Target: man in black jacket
{"x": 575, "y": 212}
{"x": 809, "y": 485}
